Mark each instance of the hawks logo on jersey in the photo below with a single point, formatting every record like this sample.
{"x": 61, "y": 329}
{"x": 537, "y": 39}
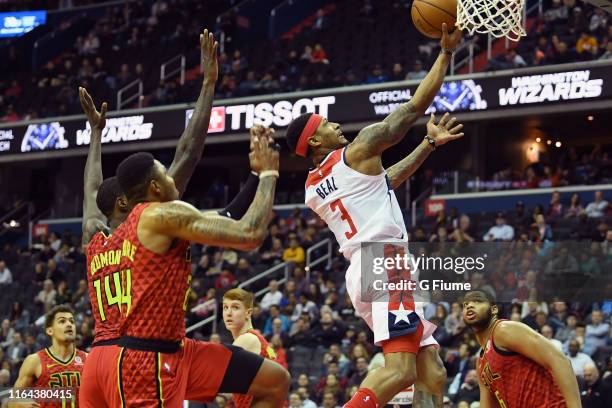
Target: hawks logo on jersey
{"x": 56, "y": 373}
{"x": 357, "y": 207}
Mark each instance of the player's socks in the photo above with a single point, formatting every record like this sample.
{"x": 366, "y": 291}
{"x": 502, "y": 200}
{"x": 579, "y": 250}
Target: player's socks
{"x": 363, "y": 398}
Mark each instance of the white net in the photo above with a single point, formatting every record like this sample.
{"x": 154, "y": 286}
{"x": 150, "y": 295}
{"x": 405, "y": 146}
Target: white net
{"x": 500, "y": 18}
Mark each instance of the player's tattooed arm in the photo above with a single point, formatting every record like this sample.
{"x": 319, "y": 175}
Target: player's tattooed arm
{"x": 520, "y": 338}
{"x": 29, "y": 371}
{"x": 191, "y": 143}
{"x": 401, "y": 119}
{"x": 181, "y": 220}
{"x": 93, "y": 219}
{"x": 441, "y": 133}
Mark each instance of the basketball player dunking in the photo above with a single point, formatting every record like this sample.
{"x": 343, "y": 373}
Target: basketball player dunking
{"x": 57, "y": 366}
{"x": 353, "y": 193}
{"x": 237, "y": 310}
{"x": 517, "y": 367}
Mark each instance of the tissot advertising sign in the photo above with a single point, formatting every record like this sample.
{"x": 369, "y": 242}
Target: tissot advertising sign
{"x": 491, "y": 92}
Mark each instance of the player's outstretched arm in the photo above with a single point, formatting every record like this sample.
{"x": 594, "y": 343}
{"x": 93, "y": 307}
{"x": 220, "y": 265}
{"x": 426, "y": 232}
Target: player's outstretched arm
{"x": 181, "y": 220}
{"x": 401, "y": 119}
{"x": 93, "y": 219}
{"x": 440, "y": 133}
{"x": 191, "y": 143}
{"x": 27, "y": 376}
{"x": 520, "y": 338}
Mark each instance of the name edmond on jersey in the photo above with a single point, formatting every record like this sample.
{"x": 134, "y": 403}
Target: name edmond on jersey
{"x": 551, "y": 88}
{"x": 123, "y": 129}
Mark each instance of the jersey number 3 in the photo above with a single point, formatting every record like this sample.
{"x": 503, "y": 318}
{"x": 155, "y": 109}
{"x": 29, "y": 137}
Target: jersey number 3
{"x": 344, "y": 215}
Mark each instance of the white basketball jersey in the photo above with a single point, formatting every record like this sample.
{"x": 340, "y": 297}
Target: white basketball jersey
{"x": 356, "y": 207}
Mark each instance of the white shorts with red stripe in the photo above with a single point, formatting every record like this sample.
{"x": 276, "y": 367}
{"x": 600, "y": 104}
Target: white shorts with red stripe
{"x": 388, "y": 319}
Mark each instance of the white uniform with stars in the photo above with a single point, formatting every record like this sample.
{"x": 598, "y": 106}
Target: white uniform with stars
{"x": 362, "y": 208}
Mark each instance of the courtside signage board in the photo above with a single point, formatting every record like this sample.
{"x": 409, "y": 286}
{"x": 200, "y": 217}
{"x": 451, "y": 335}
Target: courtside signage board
{"x": 486, "y": 92}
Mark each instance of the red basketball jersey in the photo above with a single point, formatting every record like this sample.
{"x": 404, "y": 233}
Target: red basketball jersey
{"x": 109, "y": 284}
{"x": 266, "y": 351}
{"x": 60, "y": 374}
{"x": 159, "y": 287}
{"x": 516, "y": 381}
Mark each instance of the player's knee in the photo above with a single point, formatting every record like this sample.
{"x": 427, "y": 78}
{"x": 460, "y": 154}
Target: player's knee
{"x": 439, "y": 377}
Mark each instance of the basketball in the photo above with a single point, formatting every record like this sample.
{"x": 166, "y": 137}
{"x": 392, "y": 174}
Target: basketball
{"x": 428, "y": 16}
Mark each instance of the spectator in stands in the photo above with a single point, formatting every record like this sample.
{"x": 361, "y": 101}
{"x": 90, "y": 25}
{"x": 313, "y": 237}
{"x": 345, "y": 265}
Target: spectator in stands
{"x": 5, "y": 379}
{"x": 360, "y": 372}
{"x": 46, "y": 297}
{"x": 598, "y": 207}
{"x": 250, "y": 85}
{"x": 500, "y": 231}
{"x": 63, "y": 294}
{"x": 274, "y": 254}
{"x": 557, "y": 14}
{"x": 464, "y": 231}
{"x": 295, "y": 400}
{"x": 295, "y": 253}
{"x": 544, "y": 231}
{"x": 469, "y": 390}
{"x": 6, "y": 334}
{"x": 597, "y": 332}
{"x": 6, "y": 278}
{"x": 306, "y": 54}
{"x": 305, "y": 394}
{"x": 575, "y": 208}
{"x": 542, "y": 52}
{"x": 577, "y": 21}
{"x": 329, "y": 400}
{"x": 32, "y": 345}
{"x": 510, "y": 60}
{"x": 595, "y": 392}
{"x": 377, "y": 76}
{"x": 328, "y": 331}
{"x": 608, "y": 53}
{"x": 569, "y": 330}
{"x": 275, "y": 314}
{"x": 319, "y": 56}
{"x": 279, "y": 350}
{"x": 578, "y": 359}
{"x": 547, "y": 332}
{"x": 268, "y": 83}
{"x": 20, "y": 317}
{"x": 333, "y": 369}
{"x": 587, "y": 46}
{"x": 417, "y": 71}
{"x": 16, "y": 351}
{"x": 555, "y": 209}
{"x": 397, "y": 72}
{"x": 322, "y": 21}
{"x": 273, "y": 297}
{"x": 124, "y": 77}
{"x": 563, "y": 263}
{"x": 305, "y": 305}
{"x": 562, "y": 54}
{"x": 10, "y": 115}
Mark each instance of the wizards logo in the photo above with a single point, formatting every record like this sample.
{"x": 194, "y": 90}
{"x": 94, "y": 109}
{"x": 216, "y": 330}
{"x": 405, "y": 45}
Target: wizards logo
{"x": 44, "y": 136}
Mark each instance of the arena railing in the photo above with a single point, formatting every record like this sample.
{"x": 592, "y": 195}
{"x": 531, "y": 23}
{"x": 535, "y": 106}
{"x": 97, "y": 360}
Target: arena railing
{"x": 327, "y": 257}
{"x": 167, "y": 72}
{"x": 138, "y": 95}
{"x": 210, "y": 319}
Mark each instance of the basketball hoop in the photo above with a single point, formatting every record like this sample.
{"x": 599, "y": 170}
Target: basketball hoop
{"x": 500, "y": 18}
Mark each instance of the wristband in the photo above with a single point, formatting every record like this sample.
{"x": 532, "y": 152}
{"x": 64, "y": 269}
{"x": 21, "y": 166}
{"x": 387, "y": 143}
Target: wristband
{"x": 431, "y": 142}
{"x": 447, "y": 51}
{"x": 268, "y": 173}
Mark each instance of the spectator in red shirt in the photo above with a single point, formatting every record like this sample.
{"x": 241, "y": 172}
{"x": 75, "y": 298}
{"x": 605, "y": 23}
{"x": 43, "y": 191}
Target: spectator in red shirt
{"x": 225, "y": 280}
{"x": 318, "y": 55}
{"x": 556, "y": 207}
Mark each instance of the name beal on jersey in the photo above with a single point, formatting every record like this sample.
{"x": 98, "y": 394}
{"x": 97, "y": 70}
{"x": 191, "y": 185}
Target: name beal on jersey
{"x": 327, "y": 187}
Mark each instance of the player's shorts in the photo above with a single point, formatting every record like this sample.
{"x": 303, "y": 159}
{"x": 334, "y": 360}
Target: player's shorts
{"x": 197, "y": 372}
{"x": 397, "y": 322}
{"x": 97, "y": 377}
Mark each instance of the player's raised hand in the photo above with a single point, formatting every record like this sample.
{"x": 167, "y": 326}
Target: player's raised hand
{"x": 445, "y": 130}
{"x": 97, "y": 120}
{"x": 209, "y": 46}
{"x": 450, "y": 41}
{"x": 262, "y": 154}
{"x": 258, "y": 132}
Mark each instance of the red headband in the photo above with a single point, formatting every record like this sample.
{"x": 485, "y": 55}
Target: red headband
{"x": 311, "y": 127}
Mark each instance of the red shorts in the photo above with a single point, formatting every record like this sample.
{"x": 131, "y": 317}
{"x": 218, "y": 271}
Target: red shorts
{"x": 145, "y": 379}
{"x": 409, "y": 343}
{"x": 97, "y": 377}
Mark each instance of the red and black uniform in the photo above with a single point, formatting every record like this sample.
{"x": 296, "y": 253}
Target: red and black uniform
{"x": 266, "y": 351}
{"x": 516, "y": 381}
{"x": 56, "y": 373}
{"x": 109, "y": 284}
{"x": 154, "y": 365}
